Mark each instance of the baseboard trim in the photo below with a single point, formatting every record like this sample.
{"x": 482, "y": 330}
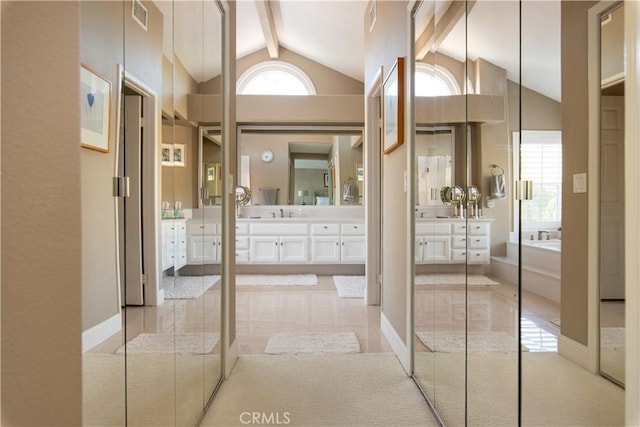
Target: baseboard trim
{"x": 397, "y": 345}
{"x": 100, "y": 332}
{"x": 230, "y": 359}
{"x": 574, "y": 351}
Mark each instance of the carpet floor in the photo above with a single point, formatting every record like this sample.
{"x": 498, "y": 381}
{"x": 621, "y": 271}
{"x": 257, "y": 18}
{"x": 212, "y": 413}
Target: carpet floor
{"x": 350, "y": 286}
{"x": 276, "y": 279}
{"x": 313, "y": 342}
{"x": 556, "y": 392}
{"x": 187, "y": 287}
{"x": 161, "y": 389}
{"x": 353, "y": 390}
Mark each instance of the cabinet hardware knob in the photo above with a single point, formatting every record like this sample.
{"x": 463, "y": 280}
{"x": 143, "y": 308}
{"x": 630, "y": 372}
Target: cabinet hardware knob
{"x": 202, "y": 226}
{"x": 281, "y": 243}
{"x": 276, "y": 243}
{"x": 325, "y": 227}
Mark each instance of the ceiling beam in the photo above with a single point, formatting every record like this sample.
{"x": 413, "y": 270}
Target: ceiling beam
{"x": 434, "y": 34}
{"x": 267, "y": 22}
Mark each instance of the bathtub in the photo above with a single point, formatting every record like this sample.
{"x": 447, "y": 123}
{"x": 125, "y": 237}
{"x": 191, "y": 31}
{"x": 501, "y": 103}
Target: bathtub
{"x": 540, "y": 266}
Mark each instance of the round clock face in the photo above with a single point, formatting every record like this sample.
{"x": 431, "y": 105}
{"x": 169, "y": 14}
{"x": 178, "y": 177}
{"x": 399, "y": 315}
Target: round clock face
{"x": 267, "y": 156}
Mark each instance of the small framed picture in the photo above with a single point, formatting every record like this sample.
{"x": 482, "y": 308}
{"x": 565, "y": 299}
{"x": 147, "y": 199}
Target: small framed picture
{"x": 211, "y": 173}
{"x": 167, "y": 155}
{"x": 179, "y": 155}
{"x": 393, "y": 107}
{"x": 95, "y": 109}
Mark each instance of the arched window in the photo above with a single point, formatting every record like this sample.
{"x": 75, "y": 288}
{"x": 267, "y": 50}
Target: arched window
{"x": 435, "y": 80}
{"x": 275, "y": 78}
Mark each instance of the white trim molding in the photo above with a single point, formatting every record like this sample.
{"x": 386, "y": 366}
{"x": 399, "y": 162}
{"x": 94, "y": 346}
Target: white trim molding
{"x": 101, "y": 332}
{"x": 397, "y": 345}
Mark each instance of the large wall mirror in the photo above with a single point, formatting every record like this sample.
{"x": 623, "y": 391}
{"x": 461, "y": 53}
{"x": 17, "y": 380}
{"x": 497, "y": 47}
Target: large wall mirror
{"x": 152, "y": 310}
{"x": 302, "y": 165}
{"x": 435, "y": 149}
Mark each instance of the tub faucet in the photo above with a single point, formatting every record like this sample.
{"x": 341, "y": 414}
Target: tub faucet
{"x": 541, "y": 232}
{"x": 281, "y": 213}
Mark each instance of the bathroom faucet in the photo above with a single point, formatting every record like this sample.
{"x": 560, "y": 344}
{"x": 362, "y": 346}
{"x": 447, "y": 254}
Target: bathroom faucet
{"x": 273, "y": 214}
{"x": 421, "y": 214}
{"x": 281, "y": 213}
{"x": 541, "y": 232}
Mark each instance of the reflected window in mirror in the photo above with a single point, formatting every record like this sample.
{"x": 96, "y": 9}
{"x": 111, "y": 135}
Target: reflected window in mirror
{"x": 435, "y": 166}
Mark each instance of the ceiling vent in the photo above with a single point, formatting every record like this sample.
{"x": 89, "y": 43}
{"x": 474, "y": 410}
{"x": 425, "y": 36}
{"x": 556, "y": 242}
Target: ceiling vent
{"x": 139, "y": 13}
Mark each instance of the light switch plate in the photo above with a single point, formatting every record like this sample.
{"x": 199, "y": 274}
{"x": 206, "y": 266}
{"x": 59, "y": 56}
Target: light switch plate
{"x": 580, "y": 183}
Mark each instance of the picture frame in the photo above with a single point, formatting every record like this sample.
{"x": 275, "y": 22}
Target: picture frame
{"x": 179, "y": 155}
{"x": 211, "y": 173}
{"x": 95, "y": 109}
{"x": 326, "y": 180}
{"x": 166, "y": 155}
{"x": 393, "y": 88}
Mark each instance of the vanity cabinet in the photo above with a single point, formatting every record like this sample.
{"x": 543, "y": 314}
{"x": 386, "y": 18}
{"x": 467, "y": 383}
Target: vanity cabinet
{"x": 174, "y": 244}
{"x": 273, "y": 249}
{"x": 338, "y": 243}
{"x": 447, "y": 242}
{"x": 204, "y": 243}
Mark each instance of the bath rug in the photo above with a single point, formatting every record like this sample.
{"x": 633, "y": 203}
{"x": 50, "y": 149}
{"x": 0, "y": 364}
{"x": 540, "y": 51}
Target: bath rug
{"x": 350, "y": 286}
{"x": 313, "y": 342}
{"x": 191, "y": 343}
{"x": 453, "y": 342}
{"x": 454, "y": 279}
{"x": 276, "y": 279}
{"x": 187, "y": 287}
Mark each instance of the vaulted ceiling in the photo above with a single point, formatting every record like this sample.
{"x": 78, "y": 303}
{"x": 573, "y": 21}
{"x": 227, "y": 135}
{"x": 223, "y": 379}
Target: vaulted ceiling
{"x": 331, "y": 32}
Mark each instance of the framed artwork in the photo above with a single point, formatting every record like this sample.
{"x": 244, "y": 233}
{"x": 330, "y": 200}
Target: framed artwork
{"x": 95, "y": 110}
{"x": 393, "y": 108}
{"x": 167, "y": 155}
{"x": 211, "y": 173}
{"x": 179, "y": 155}
{"x": 326, "y": 179}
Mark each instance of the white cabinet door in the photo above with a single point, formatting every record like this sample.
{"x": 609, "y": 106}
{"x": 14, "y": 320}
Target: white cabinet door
{"x": 264, "y": 249}
{"x": 437, "y": 249}
{"x": 353, "y": 249}
{"x": 294, "y": 249}
{"x": 168, "y": 244}
{"x": 419, "y": 249}
{"x": 202, "y": 250}
{"x": 325, "y": 249}
{"x": 180, "y": 256}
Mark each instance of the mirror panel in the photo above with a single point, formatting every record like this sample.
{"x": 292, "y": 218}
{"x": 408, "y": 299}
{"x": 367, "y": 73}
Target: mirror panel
{"x": 302, "y": 165}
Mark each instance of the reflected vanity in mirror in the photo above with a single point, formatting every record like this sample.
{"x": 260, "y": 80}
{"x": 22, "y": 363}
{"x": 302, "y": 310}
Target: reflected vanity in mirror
{"x": 313, "y": 166}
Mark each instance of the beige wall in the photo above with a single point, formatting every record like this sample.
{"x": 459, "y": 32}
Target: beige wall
{"x": 101, "y": 48}
{"x": 383, "y": 45}
{"x": 41, "y": 232}
{"x": 575, "y": 137}
{"x": 326, "y": 80}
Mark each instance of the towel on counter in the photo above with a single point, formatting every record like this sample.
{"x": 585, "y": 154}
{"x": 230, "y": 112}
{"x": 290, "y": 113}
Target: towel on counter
{"x": 498, "y": 187}
{"x": 269, "y": 196}
{"x": 349, "y": 193}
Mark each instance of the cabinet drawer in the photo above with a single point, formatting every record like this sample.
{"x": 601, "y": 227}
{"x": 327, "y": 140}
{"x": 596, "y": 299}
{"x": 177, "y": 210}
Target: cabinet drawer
{"x": 353, "y": 229}
{"x": 279, "y": 229}
{"x": 433, "y": 228}
{"x": 242, "y": 228}
{"x": 459, "y": 228}
{"x": 480, "y": 256}
{"x": 202, "y": 229}
{"x": 478, "y": 242}
{"x": 325, "y": 229}
{"x": 459, "y": 242}
{"x": 478, "y": 228}
{"x": 242, "y": 242}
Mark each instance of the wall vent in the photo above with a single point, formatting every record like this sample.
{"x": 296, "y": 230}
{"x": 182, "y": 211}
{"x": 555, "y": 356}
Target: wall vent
{"x": 139, "y": 13}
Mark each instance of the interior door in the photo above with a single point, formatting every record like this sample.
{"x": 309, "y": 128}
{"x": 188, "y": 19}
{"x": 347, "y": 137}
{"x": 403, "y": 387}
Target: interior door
{"x": 132, "y": 224}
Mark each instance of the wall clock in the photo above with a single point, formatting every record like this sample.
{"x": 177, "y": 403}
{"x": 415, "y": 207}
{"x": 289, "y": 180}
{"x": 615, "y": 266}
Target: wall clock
{"x": 267, "y": 156}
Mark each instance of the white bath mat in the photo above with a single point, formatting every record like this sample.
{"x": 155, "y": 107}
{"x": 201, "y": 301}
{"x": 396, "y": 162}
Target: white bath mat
{"x": 313, "y": 342}
{"x": 350, "y": 286}
{"x": 187, "y": 287}
{"x": 453, "y": 342}
{"x": 276, "y": 279}
{"x": 192, "y": 343}
{"x": 612, "y": 337}
{"x": 454, "y": 279}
